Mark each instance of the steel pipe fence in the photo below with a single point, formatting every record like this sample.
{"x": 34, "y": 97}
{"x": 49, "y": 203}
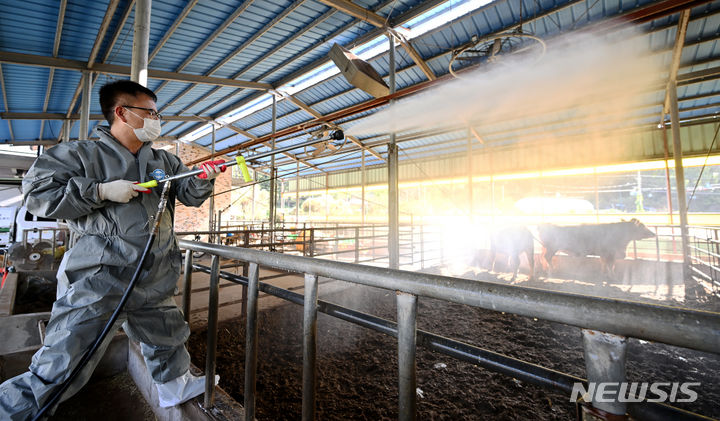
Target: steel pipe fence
{"x": 421, "y": 246}
{"x": 519, "y": 369}
{"x": 693, "y": 329}
{"x": 499, "y": 363}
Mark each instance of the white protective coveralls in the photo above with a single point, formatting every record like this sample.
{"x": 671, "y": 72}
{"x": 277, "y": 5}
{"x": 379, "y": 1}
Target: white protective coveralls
{"x": 94, "y": 273}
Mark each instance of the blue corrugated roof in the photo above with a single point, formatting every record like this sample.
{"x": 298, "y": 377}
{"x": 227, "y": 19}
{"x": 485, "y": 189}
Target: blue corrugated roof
{"x": 274, "y": 41}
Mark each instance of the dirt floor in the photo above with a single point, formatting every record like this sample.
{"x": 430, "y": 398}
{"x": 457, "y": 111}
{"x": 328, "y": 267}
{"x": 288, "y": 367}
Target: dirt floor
{"x": 357, "y": 368}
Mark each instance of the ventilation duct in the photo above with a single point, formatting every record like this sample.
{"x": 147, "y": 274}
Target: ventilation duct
{"x": 358, "y": 73}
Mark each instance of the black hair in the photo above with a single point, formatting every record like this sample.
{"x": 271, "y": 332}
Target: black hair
{"x": 111, "y": 92}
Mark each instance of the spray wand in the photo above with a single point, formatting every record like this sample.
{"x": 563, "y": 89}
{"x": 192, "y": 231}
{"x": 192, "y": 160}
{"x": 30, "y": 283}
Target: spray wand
{"x": 240, "y": 160}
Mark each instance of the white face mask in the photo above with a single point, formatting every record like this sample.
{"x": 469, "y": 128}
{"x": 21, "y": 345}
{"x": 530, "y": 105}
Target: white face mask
{"x": 149, "y": 131}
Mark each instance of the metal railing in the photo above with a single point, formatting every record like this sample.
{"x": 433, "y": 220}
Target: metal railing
{"x": 705, "y": 256}
{"x": 698, "y": 330}
{"x": 420, "y": 246}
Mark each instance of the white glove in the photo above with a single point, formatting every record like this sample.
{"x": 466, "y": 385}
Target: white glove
{"x": 120, "y": 191}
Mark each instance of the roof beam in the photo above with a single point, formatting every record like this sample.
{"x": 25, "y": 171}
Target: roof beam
{"x": 424, "y": 7}
{"x": 5, "y": 103}
{"x": 102, "y": 31}
{"x": 234, "y": 54}
{"x": 252, "y": 136}
{"x": 172, "y": 28}
{"x": 100, "y": 117}
{"x": 30, "y": 142}
{"x": 56, "y": 47}
{"x": 320, "y": 117}
{"x": 65, "y": 64}
{"x": 373, "y": 18}
{"x": 209, "y": 40}
{"x": 96, "y": 48}
{"x": 683, "y": 21}
{"x": 356, "y": 11}
{"x": 269, "y": 72}
{"x": 417, "y": 58}
{"x": 476, "y": 135}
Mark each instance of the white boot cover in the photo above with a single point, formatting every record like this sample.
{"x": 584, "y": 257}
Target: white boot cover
{"x": 181, "y": 389}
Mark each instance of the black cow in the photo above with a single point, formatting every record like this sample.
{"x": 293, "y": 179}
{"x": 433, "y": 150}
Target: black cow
{"x": 608, "y": 241}
{"x": 513, "y": 241}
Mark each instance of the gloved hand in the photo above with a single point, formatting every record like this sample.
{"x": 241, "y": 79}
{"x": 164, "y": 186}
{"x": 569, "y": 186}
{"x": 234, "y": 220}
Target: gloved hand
{"x": 211, "y": 169}
{"x": 120, "y": 191}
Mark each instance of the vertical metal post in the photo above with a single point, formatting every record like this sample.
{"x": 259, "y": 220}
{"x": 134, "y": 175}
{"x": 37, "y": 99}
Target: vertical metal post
{"x": 212, "y": 332}
{"x": 412, "y": 241}
{"x": 312, "y": 242}
{"x": 667, "y": 174}
{"x": 327, "y": 198}
{"x": 243, "y": 306}
{"x": 407, "y": 323}
{"x": 141, "y": 42}
{"x": 211, "y": 201}
{"x": 54, "y": 242}
{"x": 393, "y": 196}
{"x": 187, "y": 284}
{"x": 85, "y": 105}
{"x": 309, "y": 347}
{"x": 470, "y": 175}
{"x": 246, "y": 268}
{"x": 422, "y": 247}
{"x": 251, "y": 342}
{"x": 605, "y": 363}
{"x": 252, "y": 202}
{"x": 357, "y": 244}
{"x": 362, "y": 186}
{"x": 597, "y": 196}
{"x": 273, "y": 174}
{"x": 680, "y": 184}
{"x": 337, "y": 241}
{"x": 297, "y": 193}
{"x": 635, "y": 249}
{"x": 66, "y": 130}
{"x": 304, "y": 241}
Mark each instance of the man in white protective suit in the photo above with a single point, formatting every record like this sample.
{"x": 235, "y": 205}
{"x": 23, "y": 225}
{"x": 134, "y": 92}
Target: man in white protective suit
{"x": 93, "y": 186}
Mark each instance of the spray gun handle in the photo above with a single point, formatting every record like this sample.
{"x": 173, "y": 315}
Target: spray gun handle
{"x": 148, "y": 185}
{"x": 219, "y": 162}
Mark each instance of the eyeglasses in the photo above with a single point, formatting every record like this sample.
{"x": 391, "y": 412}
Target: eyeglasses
{"x": 150, "y": 111}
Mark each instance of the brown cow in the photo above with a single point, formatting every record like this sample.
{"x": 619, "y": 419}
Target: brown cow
{"x": 512, "y": 242}
{"x": 608, "y": 241}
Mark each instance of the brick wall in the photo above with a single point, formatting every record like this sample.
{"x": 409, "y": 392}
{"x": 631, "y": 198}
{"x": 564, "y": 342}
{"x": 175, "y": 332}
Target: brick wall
{"x": 196, "y": 219}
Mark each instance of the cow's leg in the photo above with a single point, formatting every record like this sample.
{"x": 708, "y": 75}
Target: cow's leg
{"x": 547, "y": 257}
{"x": 493, "y": 256}
{"x": 608, "y": 268}
{"x": 514, "y": 261}
{"x": 531, "y": 262}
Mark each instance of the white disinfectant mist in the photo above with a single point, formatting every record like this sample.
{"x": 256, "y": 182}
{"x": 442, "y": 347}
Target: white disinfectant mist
{"x": 585, "y": 83}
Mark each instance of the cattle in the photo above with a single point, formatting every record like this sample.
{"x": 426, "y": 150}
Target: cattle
{"x": 512, "y": 242}
{"x": 608, "y": 241}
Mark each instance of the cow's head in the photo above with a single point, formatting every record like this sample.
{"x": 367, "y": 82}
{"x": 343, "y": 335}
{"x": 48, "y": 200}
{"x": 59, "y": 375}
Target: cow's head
{"x": 639, "y": 230}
